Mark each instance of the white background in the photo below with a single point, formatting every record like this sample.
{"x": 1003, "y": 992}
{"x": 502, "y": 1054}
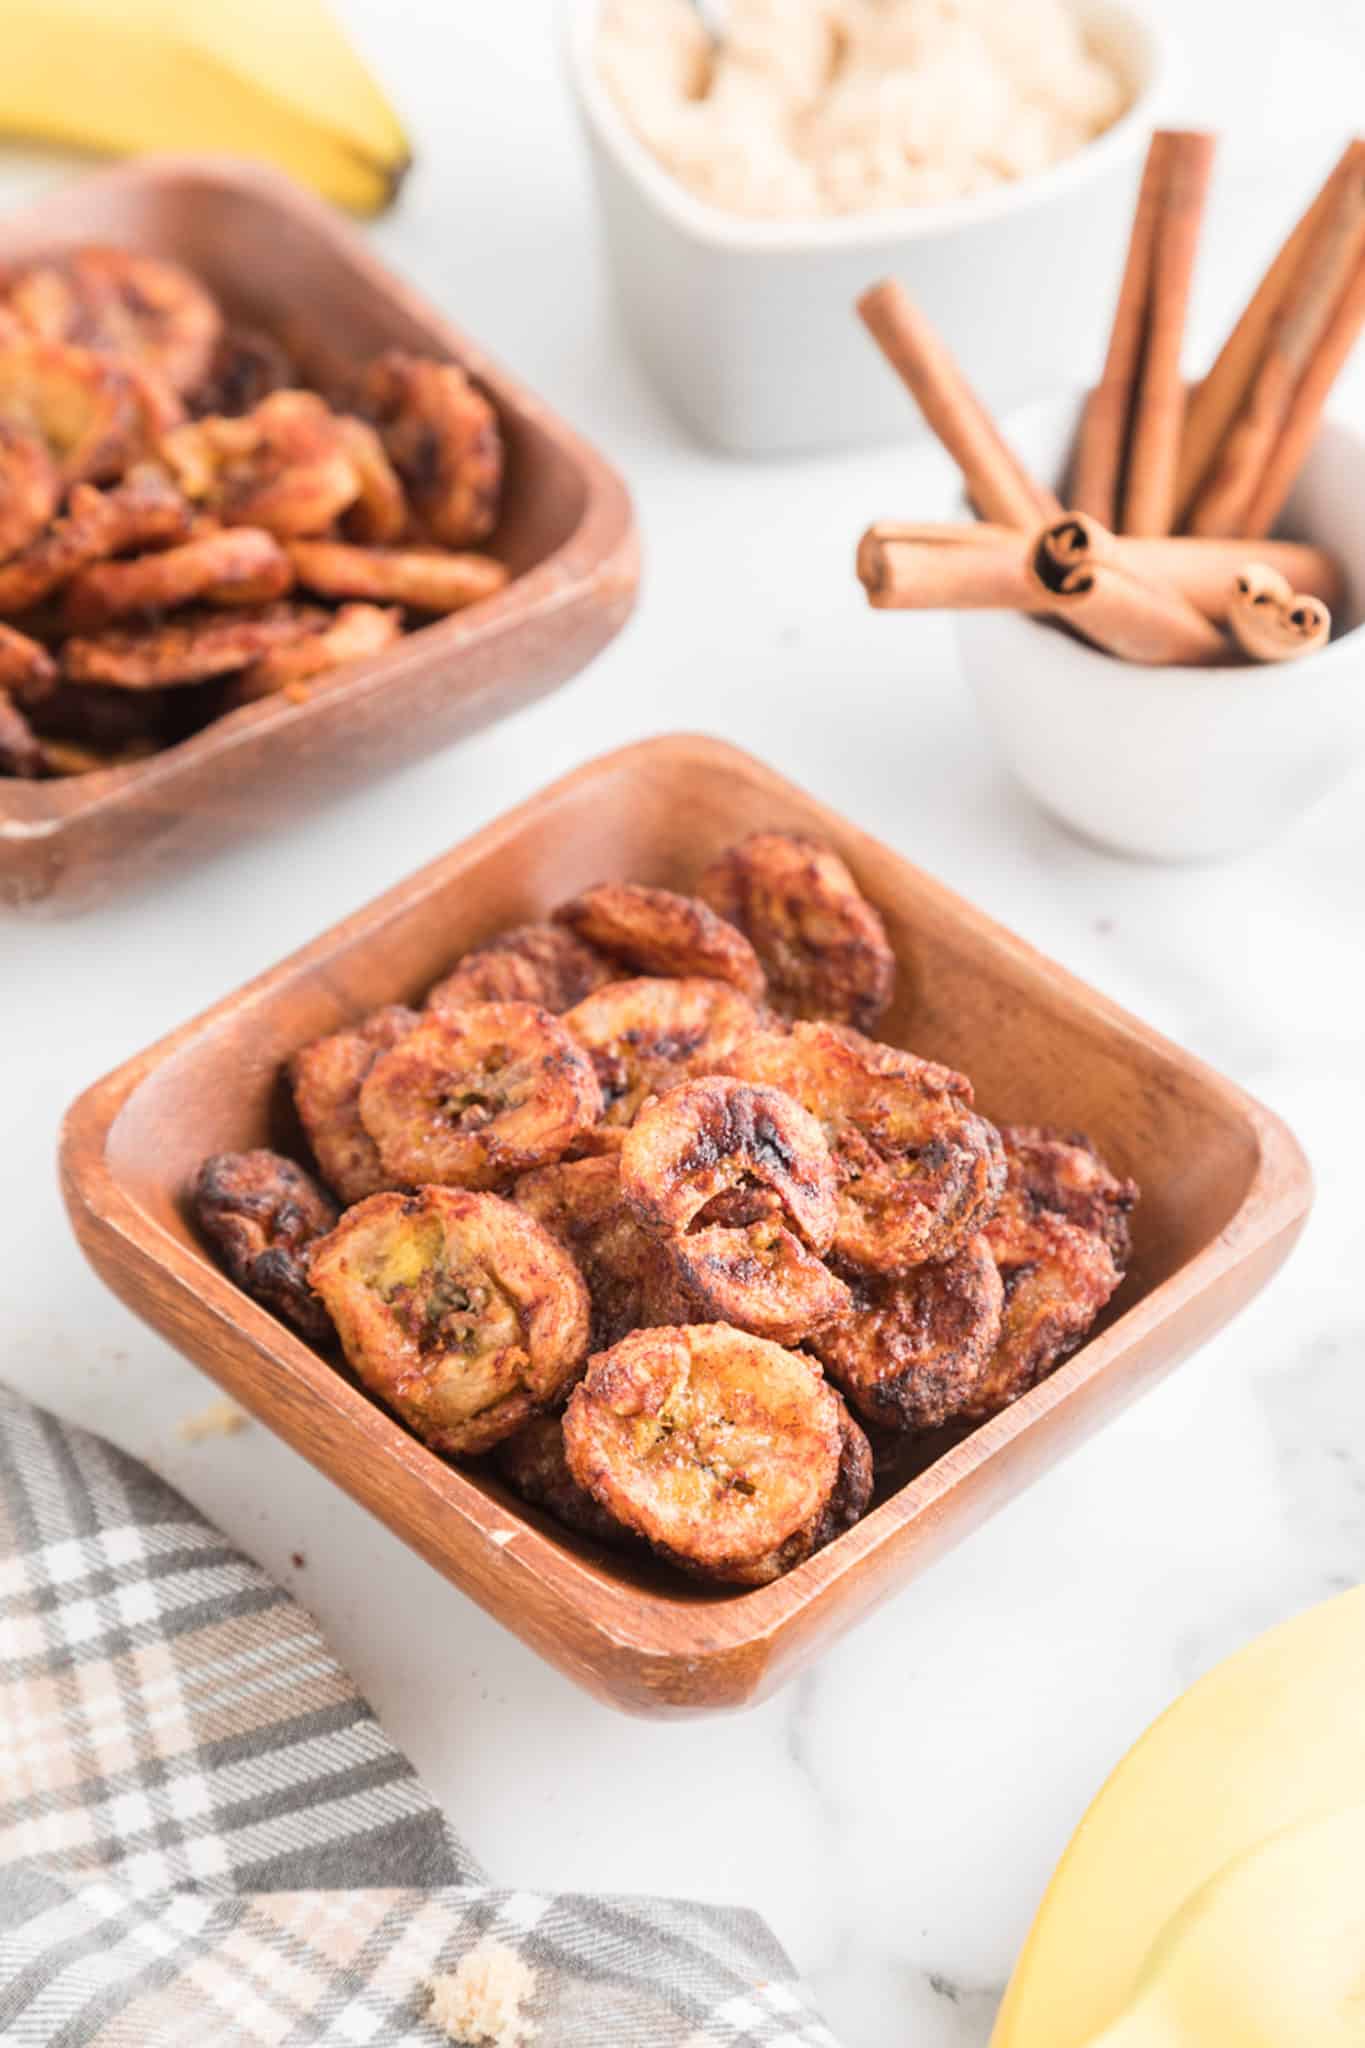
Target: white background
{"x": 895, "y": 1814}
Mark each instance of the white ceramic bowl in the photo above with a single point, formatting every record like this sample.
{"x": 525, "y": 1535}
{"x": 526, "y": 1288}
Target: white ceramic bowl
{"x": 748, "y": 326}
{"x": 1179, "y": 763}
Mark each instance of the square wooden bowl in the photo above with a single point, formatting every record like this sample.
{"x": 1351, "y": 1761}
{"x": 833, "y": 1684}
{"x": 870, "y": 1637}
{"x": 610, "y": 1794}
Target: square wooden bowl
{"x": 1225, "y": 1190}
{"x": 279, "y": 259}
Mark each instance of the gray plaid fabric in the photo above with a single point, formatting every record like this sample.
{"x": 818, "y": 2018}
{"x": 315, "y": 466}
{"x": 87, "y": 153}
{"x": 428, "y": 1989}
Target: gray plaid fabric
{"x": 205, "y": 1836}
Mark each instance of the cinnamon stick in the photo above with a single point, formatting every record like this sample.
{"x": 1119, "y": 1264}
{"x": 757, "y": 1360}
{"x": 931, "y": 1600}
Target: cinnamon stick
{"x": 1158, "y": 410}
{"x": 1098, "y": 464}
{"x": 1321, "y": 281}
{"x": 1215, "y": 402}
{"x": 1271, "y": 621}
{"x": 1137, "y": 621}
{"x": 986, "y": 567}
{"x": 997, "y": 482}
{"x": 1300, "y": 426}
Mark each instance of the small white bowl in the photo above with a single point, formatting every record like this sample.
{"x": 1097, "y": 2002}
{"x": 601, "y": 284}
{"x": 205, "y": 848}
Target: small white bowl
{"x": 1179, "y": 764}
{"x": 748, "y": 326}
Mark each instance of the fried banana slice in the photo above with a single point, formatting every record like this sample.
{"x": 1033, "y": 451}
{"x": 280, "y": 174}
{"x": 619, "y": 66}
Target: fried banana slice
{"x": 237, "y": 565}
{"x": 379, "y": 516}
{"x": 822, "y": 945}
{"x": 325, "y": 1079}
{"x": 442, "y": 437}
{"x": 645, "y": 1035}
{"x": 347, "y": 635}
{"x": 455, "y": 1308}
{"x": 68, "y": 757}
{"x": 86, "y": 410}
{"x": 473, "y": 1097}
{"x": 426, "y": 579}
{"x": 187, "y": 649}
{"x": 722, "y": 1450}
{"x": 533, "y": 1464}
{"x": 655, "y": 931}
{"x": 920, "y": 1172}
{"x": 248, "y": 365}
{"x": 145, "y": 510}
{"x": 1057, "y": 1278}
{"x": 21, "y": 751}
{"x": 1062, "y": 1173}
{"x": 140, "y": 308}
{"x": 915, "y": 1349}
{"x": 29, "y": 488}
{"x": 629, "y": 1274}
{"x": 283, "y": 466}
{"x": 753, "y": 1262}
{"x": 261, "y": 1213}
{"x": 531, "y": 963}
{"x": 27, "y": 670}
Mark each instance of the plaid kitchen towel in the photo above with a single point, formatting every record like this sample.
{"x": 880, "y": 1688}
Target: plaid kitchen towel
{"x": 205, "y": 1837}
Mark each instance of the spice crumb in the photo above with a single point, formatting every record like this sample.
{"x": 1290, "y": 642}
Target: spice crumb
{"x": 479, "y": 2003}
{"x": 220, "y": 1418}
{"x": 297, "y": 1559}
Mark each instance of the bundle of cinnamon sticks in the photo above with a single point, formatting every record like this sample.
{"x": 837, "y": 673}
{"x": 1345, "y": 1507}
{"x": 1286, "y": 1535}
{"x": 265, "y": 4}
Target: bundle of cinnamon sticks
{"x": 1162, "y": 552}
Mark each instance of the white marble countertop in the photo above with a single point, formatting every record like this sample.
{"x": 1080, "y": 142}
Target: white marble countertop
{"x": 896, "y": 1812}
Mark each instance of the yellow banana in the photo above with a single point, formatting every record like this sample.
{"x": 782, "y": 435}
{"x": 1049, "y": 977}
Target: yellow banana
{"x": 268, "y": 79}
{"x": 1272, "y": 1738}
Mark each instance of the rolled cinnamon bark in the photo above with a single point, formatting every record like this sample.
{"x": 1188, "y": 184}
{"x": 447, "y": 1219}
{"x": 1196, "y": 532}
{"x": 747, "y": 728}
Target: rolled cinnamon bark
{"x": 1201, "y": 570}
{"x": 984, "y": 568}
{"x": 1214, "y": 403}
{"x": 1298, "y": 335}
{"x": 1299, "y": 429}
{"x": 997, "y": 482}
{"x": 1271, "y": 621}
{"x": 946, "y": 568}
{"x": 1158, "y": 411}
{"x": 1118, "y": 611}
{"x": 1097, "y": 469}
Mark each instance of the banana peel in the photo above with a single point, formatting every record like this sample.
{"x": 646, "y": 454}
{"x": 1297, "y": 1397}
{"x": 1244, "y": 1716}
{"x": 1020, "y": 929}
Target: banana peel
{"x": 273, "y": 80}
{"x": 1269, "y": 1741}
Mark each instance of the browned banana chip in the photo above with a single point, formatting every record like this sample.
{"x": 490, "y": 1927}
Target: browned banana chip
{"x": 708, "y": 1137}
{"x": 261, "y": 1213}
{"x": 722, "y": 1450}
{"x": 534, "y": 1465}
{"x": 248, "y": 364}
{"x": 1061, "y": 1172}
{"x": 442, "y": 437}
{"x": 629, "y": 1273}
{"x": 283, "y": 466}
{"x": 236, "y": 565}
{"x": 1057, "y": 1278}
{"x": 193, "y": 645}
{"x": 347, "y": 635}
{"x": 21, "y": 751}
{"x": 326, "y": 1079}
{"x": 85, "y": 409}
{"x": 426, "y": 579}
{"x": 915, "y": 1349}
{"x": 920, "y": 1172}
{"x": 473, "y": 1097}
{"x": 101, "y": 720}
{"x": 455, "y": 1308}
{"x": 139, "y": 307}
{"x": 822, "y": 945}
{"x": 531, "y": 963}
{"x": 655, "y": 931}
{"x": 26, "y": 667}
{"x": 379, "y": 516}
{"x": 145, "y": 510}
{"x": 68, "y": 757}
{"x": 648, "y": 1034}
{"x": 29, "y": 489}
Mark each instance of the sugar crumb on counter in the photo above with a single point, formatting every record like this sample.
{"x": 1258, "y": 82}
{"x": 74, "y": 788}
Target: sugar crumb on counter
{"x": 479, "y": 2003}
{"x": 220, "y": 1418}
